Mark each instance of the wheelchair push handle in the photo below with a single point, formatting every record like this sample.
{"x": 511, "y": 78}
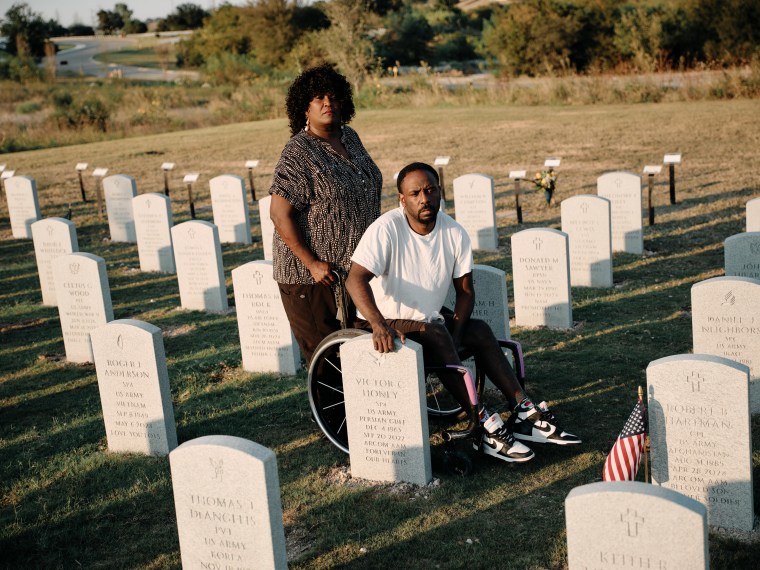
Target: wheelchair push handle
{"x": 341, "y": 297}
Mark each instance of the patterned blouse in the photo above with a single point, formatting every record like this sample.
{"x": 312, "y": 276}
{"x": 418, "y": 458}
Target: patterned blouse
{"x": 335, "y": 200}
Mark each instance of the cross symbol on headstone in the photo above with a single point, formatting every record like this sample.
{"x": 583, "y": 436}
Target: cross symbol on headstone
{"x": 618, "y": 183}
{"x": 537, "y": 243}
{"x": 584, "y": 208}
{"x": 120, "y": 342}
{"x": 50, "y": 230}
{"x": 218, "y": 466}
{"x": 696, "y": 380}
{"x": 147, "y": 204}
{"x": 258, "y": 277}
{"x": 191, "y": 233}
{"x": 633, "y": 520}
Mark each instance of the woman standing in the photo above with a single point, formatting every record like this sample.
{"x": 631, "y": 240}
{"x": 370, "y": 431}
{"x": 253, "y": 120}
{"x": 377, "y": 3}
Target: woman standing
{"x": 325, "y": 193}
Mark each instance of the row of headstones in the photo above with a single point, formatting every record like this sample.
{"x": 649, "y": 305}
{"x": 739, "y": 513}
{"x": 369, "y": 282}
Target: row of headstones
{"x": 395, "y": 425}
{"x": 596, "y": 227}
{"x": 543, "y": 264}
{"x": 226, "y": 489}
{"x": 699, "y": 421}
{"x": 615, "y": 225}
{"x": 79, "y": 282}
{"x": 146, "y": 219}
{"x": 699, "y": 413}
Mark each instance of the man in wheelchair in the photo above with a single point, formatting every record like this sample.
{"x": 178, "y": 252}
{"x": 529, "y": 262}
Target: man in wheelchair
{"x": 399, "y": 278}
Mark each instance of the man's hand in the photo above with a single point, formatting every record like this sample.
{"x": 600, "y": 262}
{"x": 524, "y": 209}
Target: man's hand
{"x": 383, "y": 335}
{"x": 321, "y": 272}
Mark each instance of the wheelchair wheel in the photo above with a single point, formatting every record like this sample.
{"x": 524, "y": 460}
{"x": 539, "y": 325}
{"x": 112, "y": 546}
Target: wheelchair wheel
{"x": 325, "y": 387}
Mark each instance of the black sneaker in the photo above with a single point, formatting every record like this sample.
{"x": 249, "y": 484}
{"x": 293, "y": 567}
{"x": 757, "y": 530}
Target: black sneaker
{"x": 499, "y": 442}
{"x": 537, "y": 423}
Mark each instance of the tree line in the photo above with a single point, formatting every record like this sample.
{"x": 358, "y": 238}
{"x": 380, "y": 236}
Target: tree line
{"x": 365, "y": 37}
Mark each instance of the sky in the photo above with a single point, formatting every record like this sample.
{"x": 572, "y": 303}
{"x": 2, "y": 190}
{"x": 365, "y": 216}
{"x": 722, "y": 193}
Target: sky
{"x": 67, "y": 11}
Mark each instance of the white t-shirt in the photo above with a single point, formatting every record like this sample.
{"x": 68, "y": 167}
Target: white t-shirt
{"x": 413, "y": 272}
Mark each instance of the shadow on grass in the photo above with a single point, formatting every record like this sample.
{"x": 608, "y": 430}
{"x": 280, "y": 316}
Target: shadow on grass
{"x": 99, "y": 500}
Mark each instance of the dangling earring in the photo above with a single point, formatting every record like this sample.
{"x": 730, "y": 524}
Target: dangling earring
{"x": 306, "y": 128}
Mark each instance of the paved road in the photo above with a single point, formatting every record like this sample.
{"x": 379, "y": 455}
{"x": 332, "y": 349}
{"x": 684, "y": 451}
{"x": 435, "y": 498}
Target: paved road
{"x": 79, "y": 60}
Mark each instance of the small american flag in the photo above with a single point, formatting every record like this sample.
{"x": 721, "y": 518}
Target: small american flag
{"x": 622, "y": 463}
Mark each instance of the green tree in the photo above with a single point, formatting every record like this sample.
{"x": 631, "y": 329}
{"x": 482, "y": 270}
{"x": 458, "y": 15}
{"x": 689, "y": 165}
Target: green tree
{"x": 730, "y": 28}
{"x": 406, "y": 39}
{"x": 186, "y": 16}
{"x": 346, "y": 43}
{"x": 265, "y": 33}
{"x": 26, "y": 31}
{"x": 533, "y": 37}
{"x": 638, "y": 37}
{"x": 109, "y": 22}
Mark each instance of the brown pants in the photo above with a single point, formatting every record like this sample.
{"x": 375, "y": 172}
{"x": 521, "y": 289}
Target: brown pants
{"x": 311, "y": 311}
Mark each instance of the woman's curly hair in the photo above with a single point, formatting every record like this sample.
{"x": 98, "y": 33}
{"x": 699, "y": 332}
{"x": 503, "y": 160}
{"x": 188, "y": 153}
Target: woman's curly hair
{"x": 320, "y": 80}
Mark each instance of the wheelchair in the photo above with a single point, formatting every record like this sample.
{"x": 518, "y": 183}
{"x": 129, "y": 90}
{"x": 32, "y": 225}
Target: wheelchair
{"x": 325, "y": 384}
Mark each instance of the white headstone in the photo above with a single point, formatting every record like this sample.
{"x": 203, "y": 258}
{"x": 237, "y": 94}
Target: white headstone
{"x": 474, "y": 203}
{"x": 491, "y": 299}
{"x": 742, "y": 255}
{"x": 84, "y": 301}
{"x": 134, "y": 387}
{"x": 586, "y": 221}
{"x": 198, "y": 255}
{"x": 491, "y": 305}
{"x": 23, "y": 205}
{"x": 386, "y": 412}
{"x": 267, "y": 227}
{"x": 627, "y": 524}
{"x": 119, "y": 190}
{"x": 725, "y": 321}
{"x": 699, "y": 428}
{"x": 52, "y": 237}
{"x": 753, "y": 215}
{"x": 623, "y": 190}
{"x": 541, "y": 270}
{"x": 230, "y": 206}
{"x": 153, "y": 223}
{"x": 227, "y": 498}
{"x": 266, "y": 341}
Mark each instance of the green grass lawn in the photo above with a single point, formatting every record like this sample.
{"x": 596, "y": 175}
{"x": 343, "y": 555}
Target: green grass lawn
{"x": 66, "y": 502}
{"x": 155, "y": 57}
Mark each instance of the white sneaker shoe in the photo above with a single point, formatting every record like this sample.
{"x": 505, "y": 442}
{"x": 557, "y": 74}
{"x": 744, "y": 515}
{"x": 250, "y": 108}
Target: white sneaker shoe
{"x": 499, "y": 442}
